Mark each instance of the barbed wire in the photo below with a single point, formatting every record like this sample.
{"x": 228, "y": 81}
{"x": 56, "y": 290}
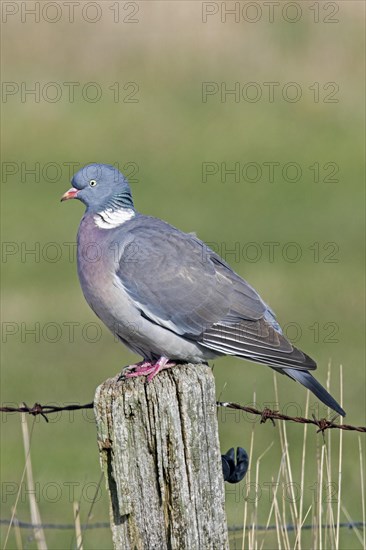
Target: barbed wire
{"x": 43, "y": 410}
{"x": 232, "y": 528}
{"x": 268, "y": 414}
{"x": 322, "y": 424}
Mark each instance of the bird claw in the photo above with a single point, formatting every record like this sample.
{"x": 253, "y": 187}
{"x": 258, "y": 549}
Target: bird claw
{"x": 136, "y": 367}
{"x": 147, "y": 368}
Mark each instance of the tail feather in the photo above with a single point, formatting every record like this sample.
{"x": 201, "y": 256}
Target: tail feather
{"x": 262, "y": 343}
{"x": 308, "y": 380}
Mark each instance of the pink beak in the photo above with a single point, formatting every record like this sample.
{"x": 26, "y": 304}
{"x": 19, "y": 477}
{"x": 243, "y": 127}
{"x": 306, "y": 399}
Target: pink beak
{"x": 70, "y": 194}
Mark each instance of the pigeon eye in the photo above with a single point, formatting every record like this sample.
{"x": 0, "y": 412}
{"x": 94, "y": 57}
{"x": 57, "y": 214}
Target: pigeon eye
{"x": 92, "y": 183}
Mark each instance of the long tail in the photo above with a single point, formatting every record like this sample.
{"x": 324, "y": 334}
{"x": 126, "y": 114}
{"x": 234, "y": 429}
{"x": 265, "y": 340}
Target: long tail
{"x": 308, "y": 380}
{"x": 263, "y": 343}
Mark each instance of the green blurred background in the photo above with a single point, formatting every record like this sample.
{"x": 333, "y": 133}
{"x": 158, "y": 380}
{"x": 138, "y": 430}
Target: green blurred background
{"x": 163, "y": 137}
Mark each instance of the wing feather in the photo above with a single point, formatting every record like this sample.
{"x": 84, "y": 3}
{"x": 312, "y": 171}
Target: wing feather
{"x": 182, "y": 285}
{"x": 179, "y": 283}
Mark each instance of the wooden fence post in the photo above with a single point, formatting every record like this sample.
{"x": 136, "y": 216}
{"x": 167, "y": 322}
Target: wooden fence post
{"x": 160, "y": 453}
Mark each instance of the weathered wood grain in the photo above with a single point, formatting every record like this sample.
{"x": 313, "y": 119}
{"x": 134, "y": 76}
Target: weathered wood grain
{"x": 160, "y": 452}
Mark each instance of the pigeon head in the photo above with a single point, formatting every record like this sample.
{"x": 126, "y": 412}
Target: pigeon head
{"x": 100, "y": 187}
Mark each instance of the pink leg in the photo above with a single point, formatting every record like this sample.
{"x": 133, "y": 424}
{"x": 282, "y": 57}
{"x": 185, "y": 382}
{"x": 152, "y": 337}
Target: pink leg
{"x": 146, "y": 368}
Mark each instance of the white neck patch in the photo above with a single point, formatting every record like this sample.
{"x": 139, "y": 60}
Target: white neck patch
{"x": 110, "y": 218}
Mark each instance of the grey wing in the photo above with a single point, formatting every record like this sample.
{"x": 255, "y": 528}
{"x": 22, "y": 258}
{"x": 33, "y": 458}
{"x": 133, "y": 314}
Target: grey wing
{"x": 178, "y": 282}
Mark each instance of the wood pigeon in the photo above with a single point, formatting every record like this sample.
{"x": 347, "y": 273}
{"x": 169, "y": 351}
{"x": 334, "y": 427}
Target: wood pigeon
{"x": 166, "y": 295}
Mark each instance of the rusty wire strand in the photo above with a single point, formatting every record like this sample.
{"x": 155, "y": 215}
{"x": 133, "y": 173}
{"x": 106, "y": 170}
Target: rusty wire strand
{"x": 266, "y": 414}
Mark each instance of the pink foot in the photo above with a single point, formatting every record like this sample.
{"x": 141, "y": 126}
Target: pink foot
{"x": 146, "y": 368}
{"x": 137, "y": 366}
